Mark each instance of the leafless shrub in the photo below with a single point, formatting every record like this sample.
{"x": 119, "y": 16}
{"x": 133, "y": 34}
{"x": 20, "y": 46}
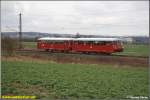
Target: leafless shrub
{"x": 8, "y": 46}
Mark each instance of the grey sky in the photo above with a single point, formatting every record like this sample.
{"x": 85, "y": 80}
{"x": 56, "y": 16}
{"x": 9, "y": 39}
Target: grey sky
{"x": 86, "y": 17}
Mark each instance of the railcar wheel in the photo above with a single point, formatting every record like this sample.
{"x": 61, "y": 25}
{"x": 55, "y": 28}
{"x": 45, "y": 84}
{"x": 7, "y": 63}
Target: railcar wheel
{"x": 66, "y": 51}
{"x": 107, "y": 53}
{"x": 104, "y": 53}
{"x": 46, "y": 50}
{"x": 51, "y": 51}
{"x": 86, "y": 52}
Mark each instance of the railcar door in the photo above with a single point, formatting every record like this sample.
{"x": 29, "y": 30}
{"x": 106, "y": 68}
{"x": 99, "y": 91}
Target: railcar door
{"x": 73, "y": 46}
{"x": 66, "y": 46}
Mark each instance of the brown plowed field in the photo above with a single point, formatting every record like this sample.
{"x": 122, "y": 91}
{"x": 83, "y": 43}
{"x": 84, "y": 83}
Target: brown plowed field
{"x": 87, "y": 59}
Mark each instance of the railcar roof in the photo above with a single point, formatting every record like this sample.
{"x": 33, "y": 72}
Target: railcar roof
{"x": 97, "y": 39}
{"x": 80, "y": 39}
{"x": 54, "y": 39}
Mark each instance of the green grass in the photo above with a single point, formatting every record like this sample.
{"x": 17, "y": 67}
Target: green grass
{"x": 135, "y": 50}
{"x": 73, "y": 81}
{"x": 29, "y": 45}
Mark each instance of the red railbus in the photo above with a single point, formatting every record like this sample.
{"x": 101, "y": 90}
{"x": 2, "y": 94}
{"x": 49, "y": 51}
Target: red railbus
{"x": 54, "y": 44}
{"x": 85, "y": 45}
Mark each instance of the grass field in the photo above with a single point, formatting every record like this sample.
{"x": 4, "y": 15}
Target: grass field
{"x": 73, "y": 81}
{"x": 129, "y": 49}
{"x": 135, "y": 50}
{"x": 29, "y": 44}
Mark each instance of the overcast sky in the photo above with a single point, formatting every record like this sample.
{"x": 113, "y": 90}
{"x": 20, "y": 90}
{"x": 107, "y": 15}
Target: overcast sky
{"x": 119, "y": 18}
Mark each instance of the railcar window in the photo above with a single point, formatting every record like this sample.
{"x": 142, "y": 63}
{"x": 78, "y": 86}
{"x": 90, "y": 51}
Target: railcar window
{"x": 85, "y": 42}
{"x": 44, "y": 41}
{"x": 97, "y": 43}
{"x": 108, "y": 43}
{"x": 101, "y": 42}
{"x": 47, "y": 41}
{"x": 81, "y": 42}
{"x": 58, "y": 42}
{"x": 92, "y": 42}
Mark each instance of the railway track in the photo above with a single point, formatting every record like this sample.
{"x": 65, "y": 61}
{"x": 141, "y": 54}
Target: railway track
{"x": 48, "y": 52}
